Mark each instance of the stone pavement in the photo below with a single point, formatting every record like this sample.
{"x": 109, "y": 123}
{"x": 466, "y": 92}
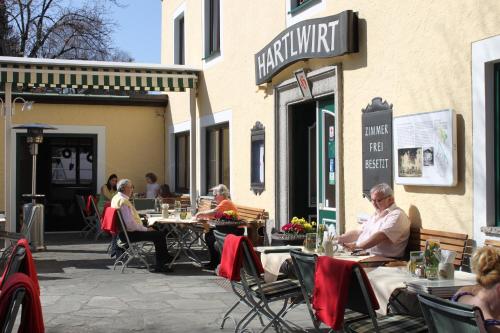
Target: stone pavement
{"x": 81, "y": 293}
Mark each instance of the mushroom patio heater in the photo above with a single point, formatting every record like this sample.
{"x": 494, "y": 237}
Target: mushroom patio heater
{"x": 34, "y": 138}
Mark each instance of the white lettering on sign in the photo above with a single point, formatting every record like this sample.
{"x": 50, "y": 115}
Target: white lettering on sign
{"x": 376, "y": 146}
{"x": 377, "y": 163}
{"x": 376, "y": 130}
{"x": 303, "y": 39}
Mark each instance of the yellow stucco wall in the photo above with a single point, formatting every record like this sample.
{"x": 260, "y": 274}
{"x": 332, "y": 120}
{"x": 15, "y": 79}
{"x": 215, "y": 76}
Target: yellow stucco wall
{"x": 414, "y": 54}
{"x": 134, "y": 136}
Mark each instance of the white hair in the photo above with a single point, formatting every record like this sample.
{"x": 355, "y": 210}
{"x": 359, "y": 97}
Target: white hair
{"x": 383, "y": 188}
{"x": 122, "y": 183}
{"x": 222, "y": 190}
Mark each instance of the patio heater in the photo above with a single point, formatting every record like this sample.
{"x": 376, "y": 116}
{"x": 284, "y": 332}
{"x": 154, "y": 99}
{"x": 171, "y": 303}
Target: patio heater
{"x": 34, "y": 138}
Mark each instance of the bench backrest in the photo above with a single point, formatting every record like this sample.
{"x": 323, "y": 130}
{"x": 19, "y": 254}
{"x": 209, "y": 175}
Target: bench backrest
{"x": 185, "y": 201}
{"x": 251, "y": 214}
{"x": 205, "y": 203}
{"x": 492, "y": 242}
{"x": 449, "y": 241}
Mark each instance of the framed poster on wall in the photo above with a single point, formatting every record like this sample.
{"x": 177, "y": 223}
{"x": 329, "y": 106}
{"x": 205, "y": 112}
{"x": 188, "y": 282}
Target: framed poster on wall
{"x": 425, "y": 148}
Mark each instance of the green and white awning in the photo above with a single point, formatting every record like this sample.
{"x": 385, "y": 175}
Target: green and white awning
{"x": 28, "y": 72}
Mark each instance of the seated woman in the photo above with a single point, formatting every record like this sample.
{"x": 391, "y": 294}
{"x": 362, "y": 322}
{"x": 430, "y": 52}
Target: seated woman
{"x": 108, "y": 191}
{"x": 224, "y": 203}
{"x": 486, "y": 296}
{"x": 165, "y": 192}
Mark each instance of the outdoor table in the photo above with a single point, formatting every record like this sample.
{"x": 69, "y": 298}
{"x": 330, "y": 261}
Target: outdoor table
{"x": 385, "y": 280}
{"x": 272, "y": 259}
{"x": 180, "y": 230}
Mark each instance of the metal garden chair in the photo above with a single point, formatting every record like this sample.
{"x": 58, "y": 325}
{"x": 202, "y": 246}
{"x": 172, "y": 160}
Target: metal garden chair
{"x": 444, "y": 316}
{"x": 132, "y": 251}
{"x": 260, "y": 295}
{"x": 359, "y": 300}
{"x": 13, "y": 310}
{"x": 92, "y": 221}
{"x": 304, "y": 265}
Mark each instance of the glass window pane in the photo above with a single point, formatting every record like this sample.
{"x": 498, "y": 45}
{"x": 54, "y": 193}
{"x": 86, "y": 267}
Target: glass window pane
{"x": 85, "y": 167}
{"x": 225, "y": 156}
{"x": 63, "y": 165}
{"x": 212, "y": 159}
{"x": 329, "y": 177}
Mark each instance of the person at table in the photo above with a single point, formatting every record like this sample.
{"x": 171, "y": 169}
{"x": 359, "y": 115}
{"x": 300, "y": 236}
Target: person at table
{"x": 108, "y": 190}
{"x": 136, "y": 231}
{"x": 386, "y": 232}
{"x": 224, "y": 203}
{"x": 486, "y": 295}
{"x": 152, "y": 187}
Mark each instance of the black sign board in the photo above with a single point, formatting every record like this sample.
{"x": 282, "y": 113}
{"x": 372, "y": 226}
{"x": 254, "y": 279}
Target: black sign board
{"x": 317, "y": 38}
{"x": 377, "y": 144}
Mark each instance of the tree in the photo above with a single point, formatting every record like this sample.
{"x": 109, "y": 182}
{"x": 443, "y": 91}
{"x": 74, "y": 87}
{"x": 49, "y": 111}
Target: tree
{"x": 7, "y": 40}
{"x": 60, "y": 29}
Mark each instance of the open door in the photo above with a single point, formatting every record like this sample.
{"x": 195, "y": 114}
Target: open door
{"x": 327, "y": 161}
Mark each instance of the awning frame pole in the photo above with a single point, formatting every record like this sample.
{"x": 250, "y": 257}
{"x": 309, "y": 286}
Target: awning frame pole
{"x": 10, "y": 223}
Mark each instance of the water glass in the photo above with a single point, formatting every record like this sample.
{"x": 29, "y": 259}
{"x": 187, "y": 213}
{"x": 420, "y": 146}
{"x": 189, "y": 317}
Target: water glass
{"x": 416, "y": 258}
{"x": 310, "y": 242}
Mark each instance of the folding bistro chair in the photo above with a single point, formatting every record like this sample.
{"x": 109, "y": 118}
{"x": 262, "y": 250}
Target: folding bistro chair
{"x": 13, "y": 237}
{"x": 95, "y": 212}
{"x": 14, "y": 264}
{"x": 132, "y": 250}
{"x": 304, "y": 265}
{"x": 92, "y": 223}
{"x": 260, "y": 295}
{"x": 13, "y": 310}
{"x": 445, "y": 316}
{"x": 359, "y": 300}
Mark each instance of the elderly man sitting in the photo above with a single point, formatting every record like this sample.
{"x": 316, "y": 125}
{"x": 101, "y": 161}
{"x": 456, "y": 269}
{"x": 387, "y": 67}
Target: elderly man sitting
{"x": 136, "y": 231}
{"x": 386, "y": 232}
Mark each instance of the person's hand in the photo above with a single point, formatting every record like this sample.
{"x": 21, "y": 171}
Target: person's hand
{"x": 350, "y": 246}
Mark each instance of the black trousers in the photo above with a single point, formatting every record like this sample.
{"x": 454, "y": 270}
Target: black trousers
{"x": 210, "y": 240}
{"x": 158, "y": 238}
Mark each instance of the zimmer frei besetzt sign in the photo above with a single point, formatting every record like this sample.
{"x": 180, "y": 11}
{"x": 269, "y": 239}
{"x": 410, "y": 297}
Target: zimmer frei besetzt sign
{"x": 317, "y": 38}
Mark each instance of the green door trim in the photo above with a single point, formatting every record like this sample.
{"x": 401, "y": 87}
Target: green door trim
{"x": 497, "y": 141}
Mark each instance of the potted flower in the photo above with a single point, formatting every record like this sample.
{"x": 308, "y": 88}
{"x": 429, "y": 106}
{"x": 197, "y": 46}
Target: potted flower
{"x": 295, "y": 231}
{"x": 227, "y": 215}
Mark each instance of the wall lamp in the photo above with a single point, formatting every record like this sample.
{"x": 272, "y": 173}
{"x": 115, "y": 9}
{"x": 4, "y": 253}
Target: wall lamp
{"x": 27, "y": 105}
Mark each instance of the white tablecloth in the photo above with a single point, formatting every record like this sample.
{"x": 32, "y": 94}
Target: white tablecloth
{"x": 385, "y": 280}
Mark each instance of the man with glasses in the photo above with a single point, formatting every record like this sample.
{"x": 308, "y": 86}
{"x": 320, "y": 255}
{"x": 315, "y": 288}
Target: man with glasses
{"x": 386, "y": 232}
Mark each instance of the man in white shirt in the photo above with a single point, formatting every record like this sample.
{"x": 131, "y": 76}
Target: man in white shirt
{"x": 386, "y": 232}
{"x": 136, "y": 231}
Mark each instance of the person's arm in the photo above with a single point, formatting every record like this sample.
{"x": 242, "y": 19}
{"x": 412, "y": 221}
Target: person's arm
{"x": 129, "y": 221}
{"x": 373, "y": 240}
{"x": 350, "y": 236}
{"x": 207, "y": 214}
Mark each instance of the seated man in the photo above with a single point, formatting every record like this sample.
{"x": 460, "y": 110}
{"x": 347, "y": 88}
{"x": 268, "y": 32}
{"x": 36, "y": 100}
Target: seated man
{"x": 136, "y": 231}
{"x": 386, "y": 232}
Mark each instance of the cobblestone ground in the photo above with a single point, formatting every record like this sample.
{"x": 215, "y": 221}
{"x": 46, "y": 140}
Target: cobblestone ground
{"x": 81, "y": 293}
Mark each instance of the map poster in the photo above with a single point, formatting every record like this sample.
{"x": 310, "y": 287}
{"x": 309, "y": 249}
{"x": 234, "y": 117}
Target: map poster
{"x": 425, "y": 149}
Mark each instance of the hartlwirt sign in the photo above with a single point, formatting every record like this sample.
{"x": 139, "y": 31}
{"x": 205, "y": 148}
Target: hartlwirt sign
{"x": 318, "y": 38}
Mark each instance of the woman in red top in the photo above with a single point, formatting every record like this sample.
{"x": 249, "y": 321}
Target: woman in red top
{"x": 224, "y": 203}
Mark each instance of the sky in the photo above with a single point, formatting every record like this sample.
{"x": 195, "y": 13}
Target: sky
{"x": 138, "y": 29}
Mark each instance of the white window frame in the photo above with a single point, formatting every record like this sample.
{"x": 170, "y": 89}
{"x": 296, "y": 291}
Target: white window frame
{"x": 172, "y": 130}
{"x": 218, "y": 57}
{"x": 303, "y": 14}
{"x": 209, "y": 121}
{"x": 178, "y": 13}
{"x": 485, "y": 53}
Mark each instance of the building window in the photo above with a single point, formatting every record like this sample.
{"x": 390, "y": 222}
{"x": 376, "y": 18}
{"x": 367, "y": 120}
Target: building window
{"x": 182, "y": 165}
{"x": 179, "y": 40}
{"x": 212, "y": 27}
{"x": 497, "y": 141}
{"x": 217, "y": 156}
{"x": 299, "y": 5}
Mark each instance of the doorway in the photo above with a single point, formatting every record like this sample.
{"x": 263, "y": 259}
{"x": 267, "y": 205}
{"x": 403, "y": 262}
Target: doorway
{"x": 66, "y": 166}
{"x": 302, "y": 160}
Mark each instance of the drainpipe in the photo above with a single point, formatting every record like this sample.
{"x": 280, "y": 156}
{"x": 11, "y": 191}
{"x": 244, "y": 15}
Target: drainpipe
{"x": 10, "y": 224}
{"x": 192, "y": 147}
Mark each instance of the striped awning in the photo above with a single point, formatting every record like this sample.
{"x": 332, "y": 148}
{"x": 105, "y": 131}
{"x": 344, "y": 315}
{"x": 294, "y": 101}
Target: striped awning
{"x": 26, "y": 72}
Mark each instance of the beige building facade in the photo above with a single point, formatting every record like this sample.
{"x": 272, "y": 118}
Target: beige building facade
{"x": 418, "y": 56}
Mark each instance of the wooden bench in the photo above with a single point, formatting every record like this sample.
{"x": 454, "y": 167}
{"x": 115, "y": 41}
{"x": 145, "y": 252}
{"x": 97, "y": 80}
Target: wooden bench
{"x": 256, "y": 219}
{"x": 492, "y": 242}
{"x": 185, "y": 201}
{"x": 205, "y": 203}
{"x": 448, "y": 240}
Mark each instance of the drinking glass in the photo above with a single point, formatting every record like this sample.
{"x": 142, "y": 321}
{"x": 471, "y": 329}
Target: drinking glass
{"x": 416, "y": 258}
{"x": 310, "y": 242}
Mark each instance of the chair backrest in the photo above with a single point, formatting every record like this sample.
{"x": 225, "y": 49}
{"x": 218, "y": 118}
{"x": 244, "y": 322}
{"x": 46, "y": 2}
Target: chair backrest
{"x": 304, "y": 265}
{"x": 359, "y": 298}
{"x": 205, "y": 203}
{"x": 449, "y": 241}
{"x": 14, "y": 264}
{"x": 80, "y": 201}
{"x": 13, "y": 309}
{"x": 492, "y": 242}
{"x": 219, "y": 239}
{"x": 444, "y": 316}
{"x": 94, "y": 210}
{"x": 250, "y": 214}
{"x": 121, "y": 226}
{"x": 144, "y": 203}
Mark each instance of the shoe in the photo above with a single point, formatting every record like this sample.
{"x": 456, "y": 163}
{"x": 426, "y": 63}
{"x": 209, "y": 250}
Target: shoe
{"x": 161, "y": 269}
